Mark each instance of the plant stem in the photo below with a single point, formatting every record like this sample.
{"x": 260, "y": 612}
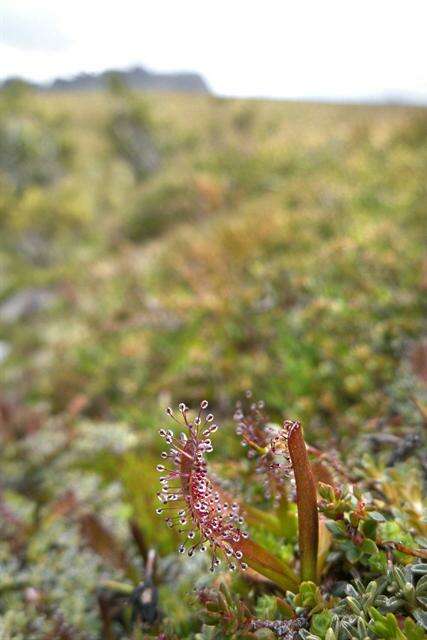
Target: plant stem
{"x": 308, "y": 518}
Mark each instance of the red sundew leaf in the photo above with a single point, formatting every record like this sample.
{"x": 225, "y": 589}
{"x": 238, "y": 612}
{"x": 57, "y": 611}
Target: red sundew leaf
{"x": 268, "y": 565}
{"x": 308, "y": 518}
{"x": 203, "y": 506}
{"x": 254, "y": 427}
{"x": 257, "y": 557}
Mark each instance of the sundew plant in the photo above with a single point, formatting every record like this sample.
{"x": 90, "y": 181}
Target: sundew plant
{"x": 330, "y": 585}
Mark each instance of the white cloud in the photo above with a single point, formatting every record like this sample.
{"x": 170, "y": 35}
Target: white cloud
{"x": 278, "y": 48}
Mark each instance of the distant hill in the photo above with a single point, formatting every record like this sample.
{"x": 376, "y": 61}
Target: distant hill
{"x": 135, "y": 78}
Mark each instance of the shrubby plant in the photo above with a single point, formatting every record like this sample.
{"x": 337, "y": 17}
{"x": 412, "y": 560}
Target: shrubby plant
{"x": 34, "y": 149}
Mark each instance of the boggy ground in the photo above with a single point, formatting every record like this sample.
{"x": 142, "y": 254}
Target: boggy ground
{"x": 157, "y": 249}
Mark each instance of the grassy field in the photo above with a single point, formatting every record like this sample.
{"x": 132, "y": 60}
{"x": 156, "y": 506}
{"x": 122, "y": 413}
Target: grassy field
{"x": 158, "y": 249}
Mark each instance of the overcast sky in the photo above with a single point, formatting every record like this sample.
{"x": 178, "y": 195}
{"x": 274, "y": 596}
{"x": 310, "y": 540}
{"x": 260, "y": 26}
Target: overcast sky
{"x": 276, "y": 48}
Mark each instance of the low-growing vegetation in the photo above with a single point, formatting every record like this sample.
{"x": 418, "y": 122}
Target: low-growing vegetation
{"x": 157, "y": 250}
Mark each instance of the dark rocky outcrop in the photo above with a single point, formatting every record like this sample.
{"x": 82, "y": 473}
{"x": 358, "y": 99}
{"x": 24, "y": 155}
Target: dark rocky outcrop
{"x": 135, "y": 78}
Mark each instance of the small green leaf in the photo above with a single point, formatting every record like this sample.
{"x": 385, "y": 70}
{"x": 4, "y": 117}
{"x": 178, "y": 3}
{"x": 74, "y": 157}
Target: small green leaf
{"x": 419, "y": 568}
{"x": 354, "y": 606}
{"x": 377, "y": 516}
{"x": 321, "y": 622}
{"x": 369, "y": 546}
{"x": 378, "y": 562}
{"x": 352, "y": 552}
{"x": 326, "y": 491}
{"x": 309, "y": 596}
{"x": 336, "y": 528}
{"x": 421, "y": 617}
{"x": 413, "y": 631}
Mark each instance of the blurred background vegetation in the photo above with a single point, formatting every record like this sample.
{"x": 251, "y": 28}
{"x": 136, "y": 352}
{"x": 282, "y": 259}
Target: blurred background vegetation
{"x": 156, "y": 249}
